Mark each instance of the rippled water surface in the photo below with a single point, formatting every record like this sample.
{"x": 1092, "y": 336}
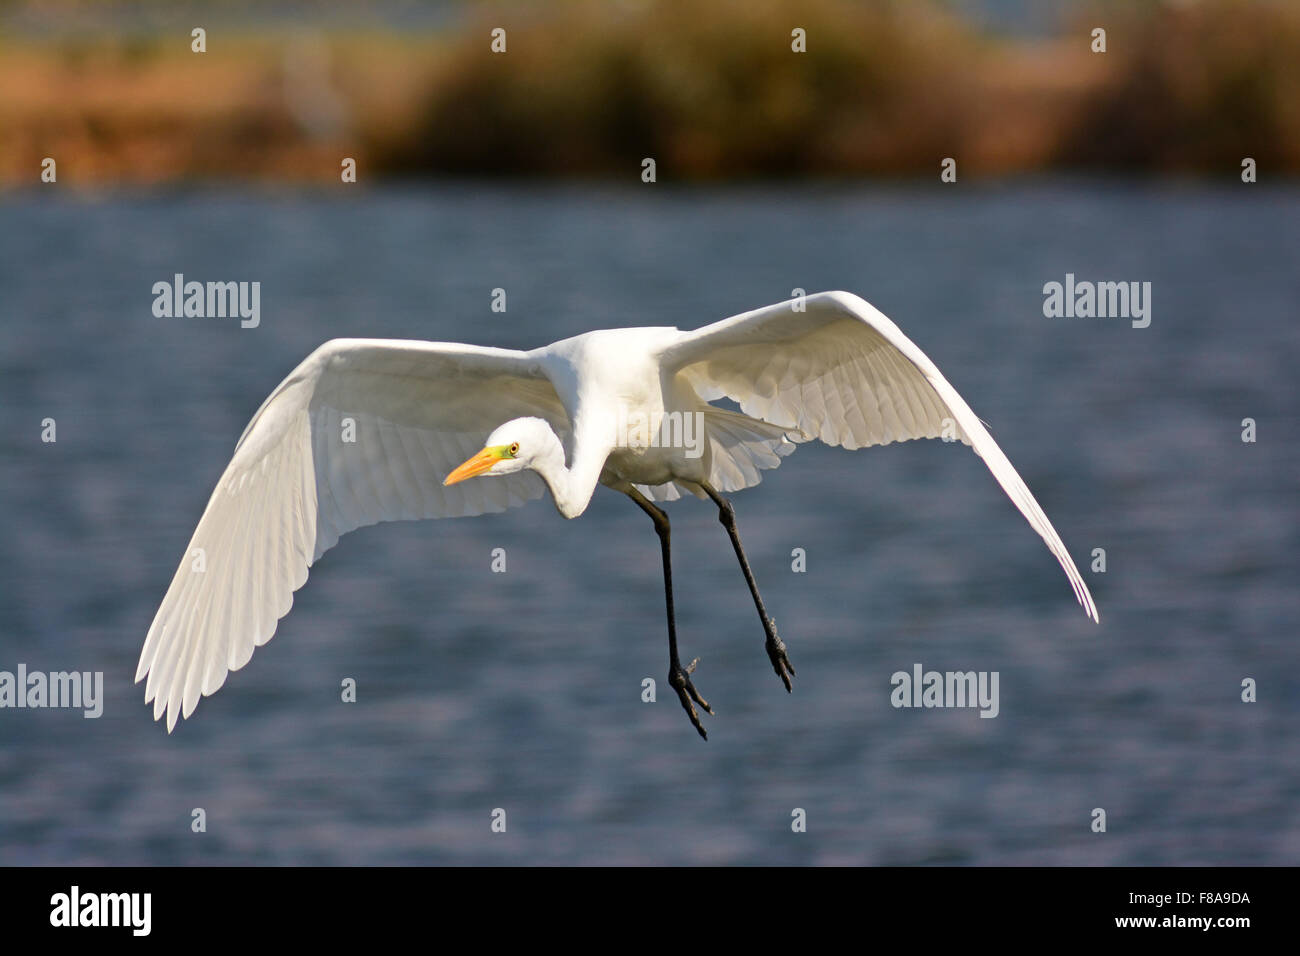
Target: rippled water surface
{"x": 523, "y": 690}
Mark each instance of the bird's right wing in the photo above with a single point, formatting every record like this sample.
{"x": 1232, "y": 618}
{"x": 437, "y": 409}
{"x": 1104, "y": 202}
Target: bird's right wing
{"x": 363, "y": 431}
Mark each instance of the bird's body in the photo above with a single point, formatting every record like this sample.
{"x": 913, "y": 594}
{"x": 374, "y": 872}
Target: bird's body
{"x": 598, "y": 373}
{"x": 367, "y": 430}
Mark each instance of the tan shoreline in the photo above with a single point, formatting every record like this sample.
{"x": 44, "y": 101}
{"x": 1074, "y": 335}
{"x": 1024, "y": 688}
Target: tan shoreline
{"x": 584, "y": 93}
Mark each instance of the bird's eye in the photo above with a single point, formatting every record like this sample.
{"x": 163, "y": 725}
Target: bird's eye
{"x": 514, "y": 450}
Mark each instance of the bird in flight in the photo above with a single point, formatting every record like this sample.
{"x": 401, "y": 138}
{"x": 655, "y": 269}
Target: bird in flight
{"x": 370, "y": 430}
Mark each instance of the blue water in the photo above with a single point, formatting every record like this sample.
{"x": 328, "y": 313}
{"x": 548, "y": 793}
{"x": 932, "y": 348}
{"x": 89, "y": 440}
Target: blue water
{"x": 522, "y": 690}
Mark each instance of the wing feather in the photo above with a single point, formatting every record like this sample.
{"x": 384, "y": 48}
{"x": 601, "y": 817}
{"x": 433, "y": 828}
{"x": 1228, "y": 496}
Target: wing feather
{"x": 841, "y": 371}
{"x": 364, "y": 430}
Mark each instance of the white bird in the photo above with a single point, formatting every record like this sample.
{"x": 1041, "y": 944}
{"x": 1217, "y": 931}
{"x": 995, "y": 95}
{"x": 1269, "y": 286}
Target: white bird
{"x": 369, "y": 430}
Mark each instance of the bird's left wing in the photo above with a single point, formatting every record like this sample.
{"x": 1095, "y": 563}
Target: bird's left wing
{"x": 832, "y": 366}
{"x": 364, "y": 430}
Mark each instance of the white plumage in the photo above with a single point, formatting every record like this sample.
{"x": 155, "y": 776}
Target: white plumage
{"x": 838, "y": 371}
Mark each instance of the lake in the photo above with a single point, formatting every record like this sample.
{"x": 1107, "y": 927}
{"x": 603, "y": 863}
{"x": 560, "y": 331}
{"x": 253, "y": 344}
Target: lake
{"x": 522, "y": 691}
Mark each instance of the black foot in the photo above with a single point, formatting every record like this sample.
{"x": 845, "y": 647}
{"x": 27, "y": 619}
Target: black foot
{"x": 776, "y": 653}
{"x": 686, "y": 691}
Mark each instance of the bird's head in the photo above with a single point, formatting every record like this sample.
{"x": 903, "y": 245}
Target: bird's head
{"x": 514, "y": 446}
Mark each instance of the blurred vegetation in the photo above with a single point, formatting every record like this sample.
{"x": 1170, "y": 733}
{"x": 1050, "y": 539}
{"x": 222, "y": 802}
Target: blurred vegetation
{"x": 1196, "y": 86}
{"x": 709, "y": 90}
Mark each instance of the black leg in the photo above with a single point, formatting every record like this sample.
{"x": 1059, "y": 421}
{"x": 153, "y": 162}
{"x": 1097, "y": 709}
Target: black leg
{"x": 678, "y": 676}
{"x": 775, "y": 648}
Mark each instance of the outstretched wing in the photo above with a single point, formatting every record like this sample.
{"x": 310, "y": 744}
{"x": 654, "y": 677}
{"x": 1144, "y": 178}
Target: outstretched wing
{"x": 843, "y": 372}
{"x": 363, "y": 431}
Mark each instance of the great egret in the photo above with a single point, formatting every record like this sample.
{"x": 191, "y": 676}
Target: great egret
{"x": 369, "y": 430}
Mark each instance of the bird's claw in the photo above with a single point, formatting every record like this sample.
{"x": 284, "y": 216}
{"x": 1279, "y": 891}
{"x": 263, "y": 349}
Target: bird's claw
{"x": 777, "y": 655}
{"x": 686, "y": 692}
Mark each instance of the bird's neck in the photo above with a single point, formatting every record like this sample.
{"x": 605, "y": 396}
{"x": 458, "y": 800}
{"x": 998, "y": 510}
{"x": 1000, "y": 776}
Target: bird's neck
{"x": 573, "y": 485}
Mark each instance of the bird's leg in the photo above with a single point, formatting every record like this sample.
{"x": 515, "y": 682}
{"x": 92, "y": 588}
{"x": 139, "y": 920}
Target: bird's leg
{"x": 678, "y": 676}
{"x": 775, "y": 647}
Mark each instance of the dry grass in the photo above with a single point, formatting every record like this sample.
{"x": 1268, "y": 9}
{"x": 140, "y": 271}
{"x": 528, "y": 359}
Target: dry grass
{"x": 1196, "y": 87}
{"x": 708, "y": 90}
{"x": 590, "y": 87}
{"x": 113, "y": 112}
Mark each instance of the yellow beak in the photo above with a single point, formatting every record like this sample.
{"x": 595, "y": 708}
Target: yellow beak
{"x": 475, "y": 466}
